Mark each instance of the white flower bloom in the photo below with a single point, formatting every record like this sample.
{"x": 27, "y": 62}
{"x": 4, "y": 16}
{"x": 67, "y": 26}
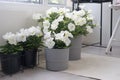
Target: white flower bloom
{"x": 47, "y": 35}
{"x": 67, "y": 41}
{"x": 69, "y": 15}
{"x": 37, "y": 16}
{"x": 60, "y": 18}
{"x": 10, "y": 37}
{"x": 20, "y": 37}
{"x": 24, "y": 31}
{"x": 63, "y": 10}
{"x": 54, "y": 24}
{"x": 45, "y": 30}
{"x": 71, "y": 27}
{"x": 67, "y": 34}
{"x": 52, "y": 10}
{"x": 46, "y": 24}
{"x": 81, "y": 12}
{"x": 89, "y": 29}
{"x": 80, "y": 21}
{"x": 59, "y": 36}
{"x": 39, "y": 31}
{"x": 49, "y": 43}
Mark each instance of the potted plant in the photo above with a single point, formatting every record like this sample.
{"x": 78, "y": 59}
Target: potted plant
{"x": 56, "y": 38}
{"x": 10, "y": 54}
{"x": 31, "y": 44}
{"x": 83, "y": 22}
{"x": 77, "y": 22}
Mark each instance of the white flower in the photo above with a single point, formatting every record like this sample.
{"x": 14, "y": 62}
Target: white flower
{"x": 67, "y": 41}
{"x": 10, "y": 37}
{"x": 81, "y": 12}
{"x": 24, "y": 31}
{"x": 37, "y": 16}
{"x": 63, "y": 10}
{"x": 80, "y": 21}
{"x": 39, "y": 31}
{"x": 59, "y": 36}
{"x": 67, "y": 34}
{"x": 45, "y": 30}
{"x": 54, "y": 24}
{"x": 60, "y": 18}
{"x": 52, "y": 10}
{"x": 46, "y": 24}
{"x": 49, "y": 43}
{"x": 47, "y": 35}
{"x": 20, "y": 37}
{"x": 71, "y": 26}
{"x": 89, "y": 29}
{"x": 69, "y": 15}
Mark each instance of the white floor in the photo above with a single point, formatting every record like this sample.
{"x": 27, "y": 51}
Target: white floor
{"x": 95, "y": 63}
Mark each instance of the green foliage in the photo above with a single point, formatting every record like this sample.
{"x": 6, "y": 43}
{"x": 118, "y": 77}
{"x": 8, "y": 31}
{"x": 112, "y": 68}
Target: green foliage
{"x": 32, "y": 42}
{"x": 10, "y": 49}
{"x": 59, "y": 45}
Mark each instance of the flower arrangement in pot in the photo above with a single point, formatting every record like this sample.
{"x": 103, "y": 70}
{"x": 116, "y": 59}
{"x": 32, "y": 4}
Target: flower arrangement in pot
{"x": 78, "y": 23}
{"x": 82, "y": 24}
{"x": 32, "y": 41}
{"x": 56, "y": 38}
{"x": 10, "y": 54}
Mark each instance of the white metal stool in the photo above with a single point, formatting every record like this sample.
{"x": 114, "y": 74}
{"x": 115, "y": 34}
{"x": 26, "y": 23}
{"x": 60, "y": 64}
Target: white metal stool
{"x": 116, "y": 7}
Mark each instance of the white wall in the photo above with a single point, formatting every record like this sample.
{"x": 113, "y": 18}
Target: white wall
{"x": 14, "y": 16}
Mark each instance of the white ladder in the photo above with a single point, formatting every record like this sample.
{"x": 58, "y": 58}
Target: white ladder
{"x": 116, "y": 7}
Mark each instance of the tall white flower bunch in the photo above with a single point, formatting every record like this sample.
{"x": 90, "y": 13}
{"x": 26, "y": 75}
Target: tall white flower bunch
{"x": 60, "y": 22}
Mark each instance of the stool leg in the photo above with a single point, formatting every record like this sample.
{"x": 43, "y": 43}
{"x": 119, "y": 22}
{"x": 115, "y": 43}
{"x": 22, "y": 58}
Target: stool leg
{"x": 113, "y": 34}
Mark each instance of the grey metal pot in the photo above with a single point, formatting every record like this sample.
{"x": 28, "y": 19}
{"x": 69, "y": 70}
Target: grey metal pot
{"x": 75, "y": 49}
{"x": 56, "y": 59}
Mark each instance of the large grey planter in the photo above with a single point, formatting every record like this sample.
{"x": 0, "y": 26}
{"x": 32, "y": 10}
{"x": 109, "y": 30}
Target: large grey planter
{"x": 57, "y": 59}
{"x": 75, "y": 49}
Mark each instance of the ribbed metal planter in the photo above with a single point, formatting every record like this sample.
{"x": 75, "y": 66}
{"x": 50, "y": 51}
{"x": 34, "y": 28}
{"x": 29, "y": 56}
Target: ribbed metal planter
{"x": 57, "y": 59}
{"x": 75, "y": 49}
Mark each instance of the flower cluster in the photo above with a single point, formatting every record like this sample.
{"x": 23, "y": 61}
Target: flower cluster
{"x": 59, "y": 25}
{"x": 25, "y": 38}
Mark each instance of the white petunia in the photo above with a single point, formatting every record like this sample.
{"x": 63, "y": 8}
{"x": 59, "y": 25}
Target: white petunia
{"x": 80, "y": 21}
{"x": 60, "y": 18}
{"x": 68, "y": 34}
{"x": 49, "y": 43}
{"x": 54, "y": 24}
{"x": 63, "y": 10}
{"x": 46, "y": 24}
{"x": 59, "y": 36}
{"x": 89, "y": 29}
{"x": 69, "y": 15}
{"x": 67, "y": 41}
{"x": 51, "y": 10}
{"x": 37, "y": 16}
{"x": 20, "y": 37}
{"x": 47, "y": 35}
{"x": 81, "y": 12}
{"x": 10, "y": 37}
{"x": 71, "y": 27}
{"x": 39, "y": 31}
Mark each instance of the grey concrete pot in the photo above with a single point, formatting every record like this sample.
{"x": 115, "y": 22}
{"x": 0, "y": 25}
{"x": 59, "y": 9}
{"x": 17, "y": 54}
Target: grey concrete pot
{"x": 75, "y": 49}
{"x": 57, "y": 59}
